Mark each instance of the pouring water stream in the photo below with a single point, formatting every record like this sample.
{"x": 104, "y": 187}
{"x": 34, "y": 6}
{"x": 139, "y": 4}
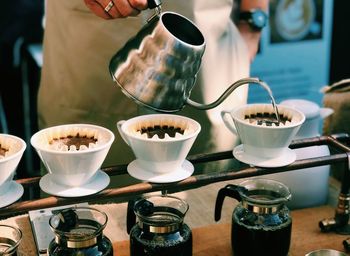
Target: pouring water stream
{"x": 233, "y": 87}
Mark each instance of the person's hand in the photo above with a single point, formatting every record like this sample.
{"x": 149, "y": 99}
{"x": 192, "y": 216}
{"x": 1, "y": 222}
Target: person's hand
{"x": 110, "y": 9}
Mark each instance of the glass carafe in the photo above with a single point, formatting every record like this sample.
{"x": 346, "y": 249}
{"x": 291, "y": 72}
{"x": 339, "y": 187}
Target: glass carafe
{"x": 261, "y": 222}
{"x": 79, "y": 232}
{"x": 10, "y": 238}
{"x": 160, "y": 229}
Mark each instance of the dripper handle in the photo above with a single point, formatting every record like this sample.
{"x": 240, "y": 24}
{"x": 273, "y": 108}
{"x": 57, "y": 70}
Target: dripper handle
{"x": 130, "y": 215}
{"x": 229, "y": 190}
{"x": 325, "y": 112}
{"x": 153, "y": 3}
{"x": 228, "y": 121}
{"x": 122, "y": 134}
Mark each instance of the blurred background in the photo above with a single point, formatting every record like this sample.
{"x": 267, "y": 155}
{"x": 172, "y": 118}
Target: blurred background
{"x": 21, "y": 34}
{"x": 296, "y": 59}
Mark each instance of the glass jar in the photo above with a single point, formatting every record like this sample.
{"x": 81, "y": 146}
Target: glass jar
{"x": 10, "y": 238}
{"x": 79, "y": 232}
{"x": 261, "y": 222}
{"x": 160, "y": 230}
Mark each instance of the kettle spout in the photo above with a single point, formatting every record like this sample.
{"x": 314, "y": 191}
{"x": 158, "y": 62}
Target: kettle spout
{"x": 227, "y": 93}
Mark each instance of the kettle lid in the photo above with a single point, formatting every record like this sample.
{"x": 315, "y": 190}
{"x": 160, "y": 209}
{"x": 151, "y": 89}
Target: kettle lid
{"x": 308, "y": 108}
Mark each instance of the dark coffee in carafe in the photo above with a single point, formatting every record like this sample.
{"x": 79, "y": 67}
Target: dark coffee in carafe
{"x": 261, "y": 222}
{"x": 271, "y": 238}
{"x": 177, "y": 243}
{"x": 159, "y": 229}
{"x": 79, "y": 231}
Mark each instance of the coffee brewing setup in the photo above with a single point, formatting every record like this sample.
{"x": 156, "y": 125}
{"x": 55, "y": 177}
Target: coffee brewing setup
{"x": 163, "y": 82}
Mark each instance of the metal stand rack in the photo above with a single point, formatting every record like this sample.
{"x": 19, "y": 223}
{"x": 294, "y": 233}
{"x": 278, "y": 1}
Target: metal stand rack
{"x": 340, "y": 153}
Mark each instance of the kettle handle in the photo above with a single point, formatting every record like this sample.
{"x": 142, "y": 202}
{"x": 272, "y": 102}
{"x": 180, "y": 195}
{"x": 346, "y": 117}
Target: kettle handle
{"x": 153, "y": 3}
{"x": 229, "y": 190}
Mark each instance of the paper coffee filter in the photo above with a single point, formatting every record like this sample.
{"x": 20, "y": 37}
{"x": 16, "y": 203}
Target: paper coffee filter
{"x": 61, "y": 132}
{"x": 289, "y": 114}
{"x": 183, "y": 124}
{"x": 10, "y": 145}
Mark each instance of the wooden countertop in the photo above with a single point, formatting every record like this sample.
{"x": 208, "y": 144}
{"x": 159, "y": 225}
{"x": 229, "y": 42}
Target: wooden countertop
{"x": 214, "y": 240}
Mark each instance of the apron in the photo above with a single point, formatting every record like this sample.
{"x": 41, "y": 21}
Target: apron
{"x": 76, "y": 86}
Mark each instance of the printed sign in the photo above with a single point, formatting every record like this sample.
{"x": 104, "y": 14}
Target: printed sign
{"x": 294, "y": 53}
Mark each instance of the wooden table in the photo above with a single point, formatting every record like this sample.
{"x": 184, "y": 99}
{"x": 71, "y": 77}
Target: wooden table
{"x": 214, "y": 240}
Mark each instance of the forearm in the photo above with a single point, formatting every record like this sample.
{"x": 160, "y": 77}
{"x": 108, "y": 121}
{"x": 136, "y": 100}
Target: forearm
{"x": 249, "y": 34}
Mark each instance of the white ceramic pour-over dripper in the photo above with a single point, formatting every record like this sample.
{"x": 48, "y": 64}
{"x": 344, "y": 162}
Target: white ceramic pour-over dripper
{"x": 72, "y": 168}
{"x": 261, "y": 141}
{"x": 9, "y": 189}
{"x": 154, "y": 155}
{"x": 8, "y": 163}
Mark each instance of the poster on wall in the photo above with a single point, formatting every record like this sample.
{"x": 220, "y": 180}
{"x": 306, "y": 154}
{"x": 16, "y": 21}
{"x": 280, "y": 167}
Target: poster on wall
{"x": 294, "y": 52}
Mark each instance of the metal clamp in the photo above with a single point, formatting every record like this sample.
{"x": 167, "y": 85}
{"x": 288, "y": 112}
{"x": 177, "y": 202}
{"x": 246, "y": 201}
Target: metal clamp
{"x": 339, "y": 223}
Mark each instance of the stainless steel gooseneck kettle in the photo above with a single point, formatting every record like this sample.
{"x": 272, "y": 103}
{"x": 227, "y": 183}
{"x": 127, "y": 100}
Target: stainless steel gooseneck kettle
{"x": 157, "y": 68}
